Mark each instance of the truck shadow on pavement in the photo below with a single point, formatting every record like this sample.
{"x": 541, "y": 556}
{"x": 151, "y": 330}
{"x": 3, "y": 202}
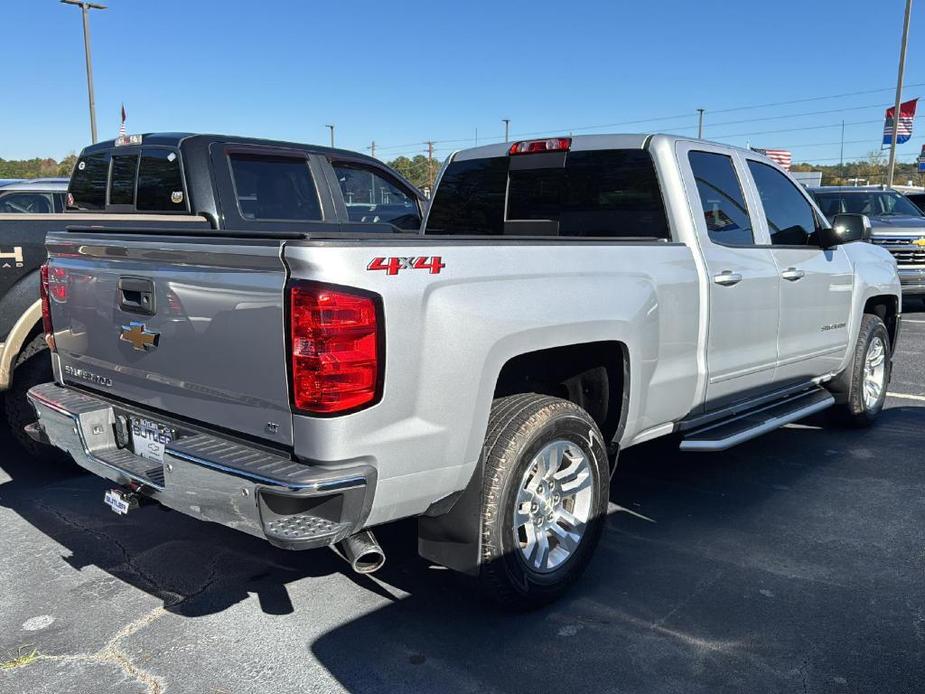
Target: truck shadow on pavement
{"x": 750, "y": 570}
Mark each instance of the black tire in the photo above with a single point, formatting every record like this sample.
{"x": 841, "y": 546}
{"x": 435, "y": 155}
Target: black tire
{"x": 519, "y": 427}
{"x": 858, "y": 413}
{"x": 32, "y": 367}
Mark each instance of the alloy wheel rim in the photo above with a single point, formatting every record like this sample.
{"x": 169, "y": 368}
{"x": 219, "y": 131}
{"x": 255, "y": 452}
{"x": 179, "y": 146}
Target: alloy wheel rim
{"x": 874, "y": 372}
{"x": 553, "y": 506}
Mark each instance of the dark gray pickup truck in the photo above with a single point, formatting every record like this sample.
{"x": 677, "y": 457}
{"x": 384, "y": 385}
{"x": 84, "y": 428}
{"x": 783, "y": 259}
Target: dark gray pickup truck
{"x": 201, "y": 183}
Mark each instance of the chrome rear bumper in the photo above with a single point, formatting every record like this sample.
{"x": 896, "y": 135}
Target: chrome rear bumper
{"x": 291, "y": 504}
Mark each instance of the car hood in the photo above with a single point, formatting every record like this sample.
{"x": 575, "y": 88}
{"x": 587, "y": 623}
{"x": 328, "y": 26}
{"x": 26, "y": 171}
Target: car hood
{"x": 898, "y": 225}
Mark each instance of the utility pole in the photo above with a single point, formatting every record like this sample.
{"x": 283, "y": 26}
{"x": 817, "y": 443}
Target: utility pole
{"x": 372, "y": 149}
{"x": 85, "y": 9}
{"x": 507, "y": 123}
{"x": 430, "y": 163}
{"x": 476, "y": 137}
{"x": 841, "y": 158}
{"x": 330, "y": 126}
{"x": 899, "y": 93}
{"x": 700, "y": 124}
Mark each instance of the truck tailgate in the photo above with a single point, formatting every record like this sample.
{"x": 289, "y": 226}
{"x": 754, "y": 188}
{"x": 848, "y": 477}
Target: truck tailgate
{"x": 192, "y": 327}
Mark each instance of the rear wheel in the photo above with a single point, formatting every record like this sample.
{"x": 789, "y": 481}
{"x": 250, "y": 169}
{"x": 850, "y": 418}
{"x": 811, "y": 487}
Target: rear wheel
{"x": 871, "y": 372}
{"x": 32, "y": 367}
{"x": 544, "y": 498}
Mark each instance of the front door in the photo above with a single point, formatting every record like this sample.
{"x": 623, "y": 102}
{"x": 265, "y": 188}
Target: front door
{"x": 815, "y": 284}
{"x": 742, "y": 275}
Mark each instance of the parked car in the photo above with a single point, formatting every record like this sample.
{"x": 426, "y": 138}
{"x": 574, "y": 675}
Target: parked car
{"x": 897, "y": 225}
{"x": 154, "y": 181}
{"x": 303, "y": 378}
{"x": 33, "y": 196}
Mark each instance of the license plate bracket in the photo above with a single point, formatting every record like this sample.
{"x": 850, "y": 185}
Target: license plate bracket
{"x": 150, "y": 438}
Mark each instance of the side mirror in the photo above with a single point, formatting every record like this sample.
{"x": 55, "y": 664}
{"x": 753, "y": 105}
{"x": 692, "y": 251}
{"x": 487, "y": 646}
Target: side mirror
{"x": 845, "y": 229}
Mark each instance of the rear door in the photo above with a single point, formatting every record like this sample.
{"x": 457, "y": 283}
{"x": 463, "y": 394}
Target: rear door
{"x": 743, "y": 277}
{"x": 815, "y": 284}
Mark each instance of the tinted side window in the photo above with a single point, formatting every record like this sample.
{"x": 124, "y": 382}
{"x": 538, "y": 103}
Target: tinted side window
{"x": 88, "y": 183}
{"x": 604, "y": 193}
{"x": 790, "y": 217}
{"x": 724, "y": 207}
{"x": 122, "y": 179}
{"x": 274, "y": 187}
{"x": 470, "y": 198}
{"x": 160, "y": 183}
{"x": 372, "y": 198}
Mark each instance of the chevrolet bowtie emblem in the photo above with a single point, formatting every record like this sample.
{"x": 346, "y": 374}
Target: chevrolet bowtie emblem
{"x": 919, "y": 242}
{"x": 138, "y": 336}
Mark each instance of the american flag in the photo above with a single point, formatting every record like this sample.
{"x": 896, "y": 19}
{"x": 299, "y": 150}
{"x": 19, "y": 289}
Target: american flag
{"x": 781, "y": 157}
{"x": 122, "y": 127}
{"x": 904, "y": 129}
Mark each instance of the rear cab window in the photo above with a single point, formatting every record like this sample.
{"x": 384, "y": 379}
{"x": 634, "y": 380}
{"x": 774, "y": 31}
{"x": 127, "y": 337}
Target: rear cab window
{"x": 607, "y": 193}
{"x": 146, "y": 179}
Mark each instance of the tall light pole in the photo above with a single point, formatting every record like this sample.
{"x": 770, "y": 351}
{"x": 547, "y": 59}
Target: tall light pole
{"x": 700, "y": 124}
{"x": 85, "y": 8}
{"x": 899, "y": 94}
{"x": 507, "y": 123}
{"x": 330, "y": 126}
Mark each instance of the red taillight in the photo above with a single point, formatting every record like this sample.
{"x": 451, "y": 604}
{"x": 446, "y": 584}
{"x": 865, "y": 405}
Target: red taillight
{"x": 46, "y": 306}
{"x": 552, "y": 144}
{"x": 335, "y": 340}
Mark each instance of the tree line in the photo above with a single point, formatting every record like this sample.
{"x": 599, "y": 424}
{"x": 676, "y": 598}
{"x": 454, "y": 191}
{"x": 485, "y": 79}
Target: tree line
{"x": 37, "y": 168}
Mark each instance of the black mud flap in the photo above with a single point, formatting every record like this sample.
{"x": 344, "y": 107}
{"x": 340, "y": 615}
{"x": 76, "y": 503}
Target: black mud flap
{"x": 452, "y": 538}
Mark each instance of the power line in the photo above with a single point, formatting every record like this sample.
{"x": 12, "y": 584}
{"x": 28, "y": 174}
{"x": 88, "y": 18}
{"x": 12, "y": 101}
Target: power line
{"x": 691, "y": 115}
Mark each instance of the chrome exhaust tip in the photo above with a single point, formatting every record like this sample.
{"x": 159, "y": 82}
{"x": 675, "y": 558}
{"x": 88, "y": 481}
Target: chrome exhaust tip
{"x": 362, "y": 552}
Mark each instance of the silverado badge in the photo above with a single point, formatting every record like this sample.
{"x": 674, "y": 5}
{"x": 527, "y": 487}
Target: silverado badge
{"x": 139, "y": 337}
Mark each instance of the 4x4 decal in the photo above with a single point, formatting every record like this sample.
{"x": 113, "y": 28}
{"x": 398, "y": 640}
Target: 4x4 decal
{"x": 392, "y": 265}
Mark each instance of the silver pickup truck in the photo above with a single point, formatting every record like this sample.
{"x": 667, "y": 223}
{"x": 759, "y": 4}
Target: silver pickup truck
{"x": 568, "y": 298}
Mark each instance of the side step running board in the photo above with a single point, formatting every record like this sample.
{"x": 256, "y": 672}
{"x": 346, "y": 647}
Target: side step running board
{"x": 728, "y": 433}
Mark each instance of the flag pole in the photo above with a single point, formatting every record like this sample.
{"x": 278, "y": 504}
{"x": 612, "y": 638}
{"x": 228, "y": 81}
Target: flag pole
{"x": 899, "y": 93}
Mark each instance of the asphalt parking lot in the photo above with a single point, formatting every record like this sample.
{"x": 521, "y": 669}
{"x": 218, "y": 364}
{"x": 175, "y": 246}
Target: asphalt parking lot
{"x": 794, "y": 563}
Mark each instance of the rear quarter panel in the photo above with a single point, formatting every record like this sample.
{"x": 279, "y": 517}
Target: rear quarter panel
{"x": 448, "y": 335}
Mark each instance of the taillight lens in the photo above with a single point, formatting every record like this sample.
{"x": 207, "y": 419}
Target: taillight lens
{"x": 46, "y": 306}
{"x": 335, "y": 341}
{"x": 551, "y": 144}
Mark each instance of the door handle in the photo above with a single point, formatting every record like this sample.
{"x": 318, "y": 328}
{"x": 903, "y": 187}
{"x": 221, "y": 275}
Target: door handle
{"x": 727, "y": 278}
{"x": 792, "y": 274}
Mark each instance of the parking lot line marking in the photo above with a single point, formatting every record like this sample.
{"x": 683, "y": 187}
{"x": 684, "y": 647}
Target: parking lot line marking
{"x": 906, "y": 396}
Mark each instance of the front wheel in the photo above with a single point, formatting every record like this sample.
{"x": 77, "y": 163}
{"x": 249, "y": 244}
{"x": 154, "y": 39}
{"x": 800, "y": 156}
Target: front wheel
{"x": 544, "y": 498}
{"x": 871, "y": 370}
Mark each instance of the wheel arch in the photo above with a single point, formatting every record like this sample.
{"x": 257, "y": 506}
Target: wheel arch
{"x": 24, "y": 329}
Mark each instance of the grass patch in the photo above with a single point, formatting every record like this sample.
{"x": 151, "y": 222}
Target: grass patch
{"x": 24, "y": 658}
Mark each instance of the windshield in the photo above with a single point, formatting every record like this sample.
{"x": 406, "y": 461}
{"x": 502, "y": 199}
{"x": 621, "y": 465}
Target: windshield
{"x": 874, "y": 203}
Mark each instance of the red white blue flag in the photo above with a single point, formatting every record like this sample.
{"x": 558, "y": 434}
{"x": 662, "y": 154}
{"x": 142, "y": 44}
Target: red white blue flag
{"x": 781, "y": 157}
{"x": 904, "y": 128}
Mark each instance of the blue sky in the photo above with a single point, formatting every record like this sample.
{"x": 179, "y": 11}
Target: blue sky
{"x": 401, "y": 73}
